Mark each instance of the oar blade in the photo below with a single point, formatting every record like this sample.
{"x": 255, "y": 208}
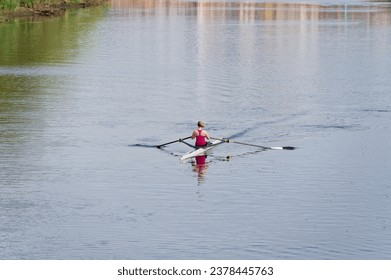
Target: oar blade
{"x": 142, "y": 145}
{"x": 289, "y": 148}
{"x": 282, "y": 148}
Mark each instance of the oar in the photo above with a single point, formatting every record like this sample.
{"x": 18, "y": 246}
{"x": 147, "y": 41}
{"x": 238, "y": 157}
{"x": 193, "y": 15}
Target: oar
{"x": 258, "y": 146}
{"x": 190, "y": 145}
{"x": 179, "y": 140}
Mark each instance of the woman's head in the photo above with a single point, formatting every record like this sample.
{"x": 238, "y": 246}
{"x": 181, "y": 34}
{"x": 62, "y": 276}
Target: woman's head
{"x": 201, "y": 124}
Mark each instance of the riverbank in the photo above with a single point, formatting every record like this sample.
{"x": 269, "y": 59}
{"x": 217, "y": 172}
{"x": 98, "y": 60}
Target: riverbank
{"x": 55, "y": 8}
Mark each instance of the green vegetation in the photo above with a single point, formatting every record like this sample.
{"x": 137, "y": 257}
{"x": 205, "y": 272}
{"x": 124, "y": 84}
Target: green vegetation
{"x": 14, "y": 8}
{"x": 9, "y": 5}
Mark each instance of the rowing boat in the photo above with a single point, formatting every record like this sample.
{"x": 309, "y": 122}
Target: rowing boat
{"x": 202, "y": 151}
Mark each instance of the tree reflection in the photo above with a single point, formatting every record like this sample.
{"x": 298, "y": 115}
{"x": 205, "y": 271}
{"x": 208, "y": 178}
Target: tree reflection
{"x": 207, "y": 11}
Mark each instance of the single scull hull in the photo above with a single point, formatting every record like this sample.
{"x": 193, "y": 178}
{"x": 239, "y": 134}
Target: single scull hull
{"x": 201, "y": 151}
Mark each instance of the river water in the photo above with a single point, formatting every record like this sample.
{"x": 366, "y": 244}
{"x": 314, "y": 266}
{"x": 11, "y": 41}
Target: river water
{"x": 84, "y": 96}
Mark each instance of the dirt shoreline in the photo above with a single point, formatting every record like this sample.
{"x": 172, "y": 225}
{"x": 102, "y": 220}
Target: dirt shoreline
{"x": 56, "y": 9}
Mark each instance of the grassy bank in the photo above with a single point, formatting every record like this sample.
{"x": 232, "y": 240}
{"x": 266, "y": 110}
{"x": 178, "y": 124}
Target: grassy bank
{"x": 18, "y": 8}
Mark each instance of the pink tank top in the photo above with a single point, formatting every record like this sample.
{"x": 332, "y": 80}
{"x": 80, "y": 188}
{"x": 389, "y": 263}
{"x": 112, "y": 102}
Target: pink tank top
{"x": 200, "y": 139}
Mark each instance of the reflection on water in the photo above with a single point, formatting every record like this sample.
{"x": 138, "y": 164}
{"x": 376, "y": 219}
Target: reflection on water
{"x": 208, "y": 11}
{"x": 29, "y": 49}
{"x": 56, "y": 39}
{"x": 82, "y": 97}
{"x": 200, "y": 167}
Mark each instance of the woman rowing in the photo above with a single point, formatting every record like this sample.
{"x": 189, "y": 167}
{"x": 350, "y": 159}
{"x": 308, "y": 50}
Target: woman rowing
{"x": 200, "y": 135}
